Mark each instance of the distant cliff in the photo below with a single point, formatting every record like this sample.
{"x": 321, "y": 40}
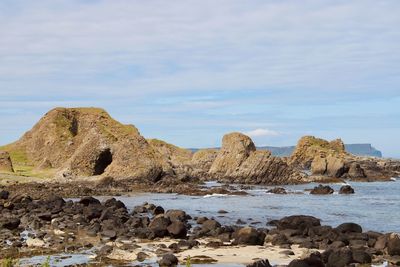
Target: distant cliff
{"x": 355, "y": 149}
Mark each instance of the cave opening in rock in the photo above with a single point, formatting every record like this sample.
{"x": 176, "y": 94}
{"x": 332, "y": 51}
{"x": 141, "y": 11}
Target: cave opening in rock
{"x": 103, "y": 160}
{"x": 74, "y": 127}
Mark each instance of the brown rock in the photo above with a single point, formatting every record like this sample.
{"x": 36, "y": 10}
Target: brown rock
{"x": 239, "y": 162}
{"x": 335, "y": 166}
{"x": 322, "y": 190}
{"x": 5, "y": 162}
{"x": 319, "y": 166}
{"x": 203, "y": 159}
{"x": 393, "y": 244}
{"x": 86, "y": 142}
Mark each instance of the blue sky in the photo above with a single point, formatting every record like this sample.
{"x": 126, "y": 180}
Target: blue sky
{"x": 189, "y": 71}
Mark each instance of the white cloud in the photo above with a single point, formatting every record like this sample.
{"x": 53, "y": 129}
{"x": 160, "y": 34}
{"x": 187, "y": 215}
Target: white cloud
{"x": 261, "y": 133}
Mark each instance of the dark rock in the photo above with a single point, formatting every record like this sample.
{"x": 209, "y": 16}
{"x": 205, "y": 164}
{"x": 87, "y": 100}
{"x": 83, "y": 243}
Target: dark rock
{"x": 360, "y": 256}
{"x": 340, "y": 258}
{"x": 260, "y": 263}
{"x": 168, "y": 260}
{"x": 46, "y": 216}
{"x": 322, "y": 190}
{"x": 177, "y": 229}
{"x": 277, "y": 190}
{"x": 176, "y": 215}
{"x": 4, "y": 194}
{"x": 86, "y": 201}
{"x": 157, "y": 210}
{"x": 112, "y": 234}
{"x": 112, "y": 202}
{"x": 9, "y": 223}
{"x": 279, "y": 240}
{"x": 346, "y": 189}
{"x": 210, "y": 225}
{"x": 300, "y": 222}
{"x": 159, "y": 226}
{"x": 222, "y": 212}
{"x": 349, "y": 228}
{"x": 201, "y": 220}
{"x": 306, "y": 263}
{"x": 393, "y": 244}
{"x": 249, "y": 236}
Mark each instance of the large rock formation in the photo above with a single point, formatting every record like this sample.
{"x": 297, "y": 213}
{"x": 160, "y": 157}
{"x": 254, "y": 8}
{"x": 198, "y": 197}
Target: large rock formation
{"x": 310, "y": 147}
{"x": 86, "y": 142}
{"x": 330, "y": 159}
{"x": 174, "y": 160}
{"x": 238, "y": 161}
{"x": 203, "y": 159}
{"x": 5, "y": 162}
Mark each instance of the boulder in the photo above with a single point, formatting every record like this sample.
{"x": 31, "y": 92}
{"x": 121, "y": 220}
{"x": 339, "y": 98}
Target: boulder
{"x": 349, "y": 228}
{"x": 168, "y": 260}
{"x": 177, "y": 229}
{"x": 393, "y": 244}
{"x": 249, "y": 236}
{"x": 322, "y": 190}
{"x": 355, "y": 171}
{"x": 238, "y": 161}
{"x": 340, "y": 257}
{"x": 5, "y": 162}
{"x": 296, "y": 222}
{"x": 177, "y": 215}
{"x": 260, "y": 263}
{"x": 360, "y": 256}
{"x": 4, "y": 194}
{"x": 277, "y": 190}
{"x": 9, "y": 223}
{"x": 159, "y": 226}
{"x": 346, "y": 189}
{"x": 210, "y": 225}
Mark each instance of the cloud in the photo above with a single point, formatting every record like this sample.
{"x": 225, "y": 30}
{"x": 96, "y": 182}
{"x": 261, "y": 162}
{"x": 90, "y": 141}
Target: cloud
{"x": 261, "y": 133}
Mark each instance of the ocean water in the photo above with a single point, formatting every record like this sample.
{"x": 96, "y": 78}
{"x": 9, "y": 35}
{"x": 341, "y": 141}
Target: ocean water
{"x": 375, "y": 206}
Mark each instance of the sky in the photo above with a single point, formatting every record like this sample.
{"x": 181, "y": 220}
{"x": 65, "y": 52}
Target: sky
{"x": 188, "y": 72}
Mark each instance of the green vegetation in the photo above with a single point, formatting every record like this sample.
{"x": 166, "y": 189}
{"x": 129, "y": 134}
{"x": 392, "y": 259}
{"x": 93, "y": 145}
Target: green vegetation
{"x": 188, "y": 264}
{"x": 9, "y": 262}
{"x": 47, "y": 262}
{"x": 18, "y": 157}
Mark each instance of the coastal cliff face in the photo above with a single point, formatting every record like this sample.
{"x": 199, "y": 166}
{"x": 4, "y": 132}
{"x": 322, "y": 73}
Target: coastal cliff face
{"x": 330, "y": 159}
{"x": 238, "y": 161}
{"x": 5, "y": 162}
{"x": 86, "y": 142}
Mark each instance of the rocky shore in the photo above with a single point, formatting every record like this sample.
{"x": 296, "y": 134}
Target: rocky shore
{"x": 120, "y": 236}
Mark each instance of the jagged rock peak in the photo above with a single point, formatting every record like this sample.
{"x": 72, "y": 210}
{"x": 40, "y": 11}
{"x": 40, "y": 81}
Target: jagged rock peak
{"x": 238, "y": 161}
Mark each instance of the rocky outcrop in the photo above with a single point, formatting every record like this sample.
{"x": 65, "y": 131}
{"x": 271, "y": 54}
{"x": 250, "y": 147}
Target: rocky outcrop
{"x": 238, "y": 161}
{"x": 174, "y": 160}
{"x": 331, "y": 160}
{"x": 310, "y": 147}
{"x": 203, "y": 159}
{"x": 87, "y": 142}
{"x": 5, "y": 162}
